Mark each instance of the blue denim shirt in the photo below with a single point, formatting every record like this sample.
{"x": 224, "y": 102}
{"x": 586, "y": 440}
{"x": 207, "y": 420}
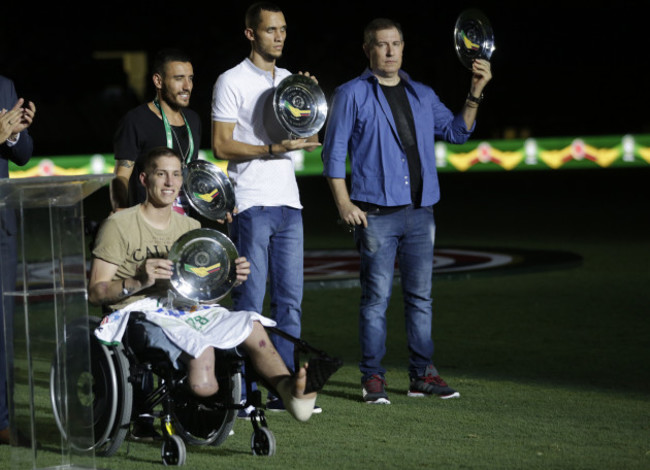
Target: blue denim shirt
{"x": 361, "y": 124}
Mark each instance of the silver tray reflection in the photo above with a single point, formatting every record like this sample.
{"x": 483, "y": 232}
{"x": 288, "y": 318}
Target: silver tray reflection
{"x": 208, "y": 189}
{"x": 204, "y": 265}
{"x": 473, "y": 37}
{"x": 300, "y": 105}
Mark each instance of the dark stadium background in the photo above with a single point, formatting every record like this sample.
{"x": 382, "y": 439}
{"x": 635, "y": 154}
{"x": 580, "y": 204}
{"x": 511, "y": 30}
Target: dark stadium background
{"x": 559, "y": 69}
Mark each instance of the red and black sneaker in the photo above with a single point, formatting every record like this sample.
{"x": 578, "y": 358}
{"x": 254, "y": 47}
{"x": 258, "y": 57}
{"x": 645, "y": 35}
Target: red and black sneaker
{"x": 373, "y": 391}
{"x": 431, "y": 384}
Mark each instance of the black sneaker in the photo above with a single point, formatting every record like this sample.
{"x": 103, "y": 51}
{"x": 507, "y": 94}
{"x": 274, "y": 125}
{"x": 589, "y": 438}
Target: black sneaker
{"x": 143, "y": 431}
{"x": 431, "y": 384}
{"x": 373, "y": 391}
{"x": 276, "y": 404}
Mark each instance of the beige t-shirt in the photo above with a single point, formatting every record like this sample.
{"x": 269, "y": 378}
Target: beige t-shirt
{"x": 127, "y": 240}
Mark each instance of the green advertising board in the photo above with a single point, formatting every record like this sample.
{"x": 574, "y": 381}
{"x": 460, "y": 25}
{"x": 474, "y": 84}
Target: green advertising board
{"x": 475, "y": 155}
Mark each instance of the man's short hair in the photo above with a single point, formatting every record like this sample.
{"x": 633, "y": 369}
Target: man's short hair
{"x": 149, "y": 161}
{"x": 165, "y": 56}
{"x": 254, "y": 13}
{"x": 379, "y": 24}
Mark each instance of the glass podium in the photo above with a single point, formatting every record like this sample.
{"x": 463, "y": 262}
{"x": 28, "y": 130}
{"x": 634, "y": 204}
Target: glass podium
{"x": 49, "y": 381}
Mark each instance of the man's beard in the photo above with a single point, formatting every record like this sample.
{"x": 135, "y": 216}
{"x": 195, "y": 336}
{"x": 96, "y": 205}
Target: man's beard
{"x": 168, "y": 98}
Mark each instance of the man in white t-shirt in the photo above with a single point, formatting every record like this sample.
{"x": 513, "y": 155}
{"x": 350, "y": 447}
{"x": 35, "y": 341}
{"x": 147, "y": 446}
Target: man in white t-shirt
{"x": 267, "y": 225}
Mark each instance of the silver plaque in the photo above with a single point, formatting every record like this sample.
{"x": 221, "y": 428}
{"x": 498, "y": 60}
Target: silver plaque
{"x": 204, "y": 265}
{"x": 300, "y": 106}
{"x": 473, "y": 37}
{"x": 208, "y": 189}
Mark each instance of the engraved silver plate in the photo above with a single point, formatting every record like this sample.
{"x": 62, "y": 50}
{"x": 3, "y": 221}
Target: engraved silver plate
{"x": 208, "y": 189}
{"x": 473, "y": 37}
{"x": 204, "y": 265}
{"x": 300, "y": 106}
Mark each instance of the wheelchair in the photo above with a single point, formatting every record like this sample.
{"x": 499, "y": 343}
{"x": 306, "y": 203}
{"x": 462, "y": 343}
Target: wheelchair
{"x": 108, "y": 392}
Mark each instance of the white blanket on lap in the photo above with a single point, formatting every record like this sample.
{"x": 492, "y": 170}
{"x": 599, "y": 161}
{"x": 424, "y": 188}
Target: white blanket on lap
{"x": 191, "y": 330}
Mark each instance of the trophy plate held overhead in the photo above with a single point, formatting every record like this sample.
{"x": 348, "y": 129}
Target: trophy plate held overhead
{"x": 473, "y": 37}
{"x": 204, "y": 268}
{"x": 208, "y": 189}
{"x": 300, "y": 106}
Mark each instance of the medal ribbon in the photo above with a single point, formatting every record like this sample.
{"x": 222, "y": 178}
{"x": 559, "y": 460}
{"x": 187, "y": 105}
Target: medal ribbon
{"x": 168, "y": 131}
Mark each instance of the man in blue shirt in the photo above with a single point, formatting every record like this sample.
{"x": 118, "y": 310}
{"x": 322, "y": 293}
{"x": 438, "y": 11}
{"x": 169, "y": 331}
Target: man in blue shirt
{"x": 388, "y": 123}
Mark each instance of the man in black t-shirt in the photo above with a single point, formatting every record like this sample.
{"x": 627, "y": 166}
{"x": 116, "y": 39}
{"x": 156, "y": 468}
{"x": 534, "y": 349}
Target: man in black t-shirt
{"x": 164, "y": 121}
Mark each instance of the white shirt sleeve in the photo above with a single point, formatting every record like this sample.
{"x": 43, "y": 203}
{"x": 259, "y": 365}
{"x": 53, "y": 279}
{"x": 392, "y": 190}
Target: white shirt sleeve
{"x": 226, "y": 100}
{"x": 11, "y": 143}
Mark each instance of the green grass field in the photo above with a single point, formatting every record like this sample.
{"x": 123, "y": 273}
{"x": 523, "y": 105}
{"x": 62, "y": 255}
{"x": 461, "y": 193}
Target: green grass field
{"x": 552, "y": 365}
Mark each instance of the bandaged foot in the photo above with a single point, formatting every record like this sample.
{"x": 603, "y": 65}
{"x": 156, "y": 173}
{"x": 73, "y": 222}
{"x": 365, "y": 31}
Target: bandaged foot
{"x": 297, "y": 403}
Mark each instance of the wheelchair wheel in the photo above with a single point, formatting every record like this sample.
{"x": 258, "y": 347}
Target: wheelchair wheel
{"x": 173, "y": 451}
{"x": 104, "y": 390}
{"x": 199, "y": 423}
{"x": 111, "y": 423}
{"x": 263, "y": 442}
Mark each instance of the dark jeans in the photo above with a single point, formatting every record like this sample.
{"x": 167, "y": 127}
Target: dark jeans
{"x": 407, "y": 235}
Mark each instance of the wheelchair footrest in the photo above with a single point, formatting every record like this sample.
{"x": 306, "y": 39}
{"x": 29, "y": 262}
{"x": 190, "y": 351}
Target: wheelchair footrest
{"x": 319, "y": 371}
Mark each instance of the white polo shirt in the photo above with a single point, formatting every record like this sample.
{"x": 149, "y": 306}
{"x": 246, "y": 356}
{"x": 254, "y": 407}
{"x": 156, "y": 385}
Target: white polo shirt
{"x": 242, "y": 95}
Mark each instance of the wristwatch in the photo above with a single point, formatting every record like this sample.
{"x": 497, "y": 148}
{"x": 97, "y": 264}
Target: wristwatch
{"x": 474, "y": 99}
{"x": 125, "y": 291}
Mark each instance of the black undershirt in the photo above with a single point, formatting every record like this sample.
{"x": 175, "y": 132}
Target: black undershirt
{"x": 403, "y": 116}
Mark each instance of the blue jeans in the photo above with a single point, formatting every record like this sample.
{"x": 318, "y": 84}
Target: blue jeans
{"x": 408, "y": 235}
{"x": 271, "y": 238}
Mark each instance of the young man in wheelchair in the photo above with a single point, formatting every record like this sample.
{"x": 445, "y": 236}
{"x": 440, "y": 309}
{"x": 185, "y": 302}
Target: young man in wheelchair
{"x": 130, "y": 272}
